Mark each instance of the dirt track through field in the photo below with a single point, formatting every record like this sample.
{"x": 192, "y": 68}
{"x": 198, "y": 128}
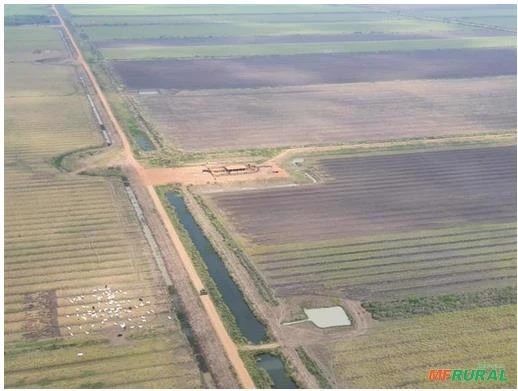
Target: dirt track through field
{"x": 229, "y": 346}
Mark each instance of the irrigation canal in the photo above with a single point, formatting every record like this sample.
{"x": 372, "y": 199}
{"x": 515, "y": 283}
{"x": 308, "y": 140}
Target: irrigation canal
{"x": 275, "y": 368}
{"x": 253, "y": 330}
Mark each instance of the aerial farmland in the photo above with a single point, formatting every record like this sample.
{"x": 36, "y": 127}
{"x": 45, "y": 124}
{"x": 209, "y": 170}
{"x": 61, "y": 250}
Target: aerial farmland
{"x": 260, "y": 196}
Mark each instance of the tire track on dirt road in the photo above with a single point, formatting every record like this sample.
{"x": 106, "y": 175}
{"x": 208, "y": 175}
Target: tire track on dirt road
{"x": 229, "y": 346}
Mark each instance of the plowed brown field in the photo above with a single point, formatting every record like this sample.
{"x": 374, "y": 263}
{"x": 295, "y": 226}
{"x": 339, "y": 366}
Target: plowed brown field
{"x": 386, "y": 226}
{"x": 323, "y": 114}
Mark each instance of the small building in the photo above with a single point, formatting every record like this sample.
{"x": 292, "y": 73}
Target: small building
{"x": 236, "y": 169}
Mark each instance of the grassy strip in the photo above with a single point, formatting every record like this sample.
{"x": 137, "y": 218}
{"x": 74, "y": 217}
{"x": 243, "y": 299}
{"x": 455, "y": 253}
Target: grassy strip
{"x": 15, "y": 349}
{"x": 178, "y": 310}
{"x": 384, "y": 240}
{"x": 130, "y": 123}
{"x": 225, "y": 51}
{"x": 261, "y": 285}
{"x": 176, "y": 157}
{"x": 406, "y": 145}
{"x": 105, "y": 172}
{"x": 391, "y": 247}
{"x": 223, "y": 310}
{"x": 313, "y": 368}
{"x": 58, "y": 162}
{"x": 421, "y": 305}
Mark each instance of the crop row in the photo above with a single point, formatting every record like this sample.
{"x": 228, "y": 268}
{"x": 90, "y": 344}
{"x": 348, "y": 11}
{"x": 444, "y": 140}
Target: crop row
{"x": 404, "y": 351}
{"x": 376, "y": 269}
{"x": 23, "y": 80}
{"x": 139, "y": 361}
{"x": 329, "y": 226}
{"x": 395, "y": 265}
{"x": 75, "y": 256}
{"x": 366, "y": 274}
{"x": 391, "y": 196}
{"x": 387, "y": 253}
{"x": 386, "y": 242}
{"x": 330, "y": 193}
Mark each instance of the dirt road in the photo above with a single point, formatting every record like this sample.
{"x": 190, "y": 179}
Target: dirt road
{"x": 229, "y": 346}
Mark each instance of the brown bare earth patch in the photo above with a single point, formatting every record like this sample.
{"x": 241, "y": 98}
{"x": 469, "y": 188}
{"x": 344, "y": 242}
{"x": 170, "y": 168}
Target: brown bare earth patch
{"x": 41, "y": 315}
{"x": 197, "y": 175}
{"x": 325, "y": 114}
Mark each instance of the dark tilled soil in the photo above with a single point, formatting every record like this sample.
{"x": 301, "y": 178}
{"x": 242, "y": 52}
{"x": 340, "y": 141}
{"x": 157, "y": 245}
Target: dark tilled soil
{"x": 264, "y": 71}
{"x": 369, "y": 197}
{"x": 373, "y": 195}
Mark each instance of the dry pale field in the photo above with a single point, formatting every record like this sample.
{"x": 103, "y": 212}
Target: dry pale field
{"x": 399, "y": 354}
{"x": 84, "y": 303}
{"x": 338, "y": 113}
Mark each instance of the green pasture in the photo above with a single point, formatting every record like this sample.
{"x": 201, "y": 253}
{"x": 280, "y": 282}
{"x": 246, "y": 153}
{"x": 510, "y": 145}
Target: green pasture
{"x": 231, "y": 18}
{"x": 26, "y": 9}
{"x": 154, "y": 9}
{"x": 223, "y": 51}
{"x": 249, "y": 28}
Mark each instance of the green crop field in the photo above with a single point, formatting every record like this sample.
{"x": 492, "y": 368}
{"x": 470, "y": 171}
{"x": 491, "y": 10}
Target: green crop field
{"x": 222, "y": 51}
{"x": 26, "y": 9}
{"x": 408, "y": 26}
{"x": 24, "y": 39}
{"x": 399, "y": 354}
{"x": 84, "y": 305}
{"x": 491, "y": 15}
{"x": 231, "y": 18}
{"x": 142, "y": 9}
